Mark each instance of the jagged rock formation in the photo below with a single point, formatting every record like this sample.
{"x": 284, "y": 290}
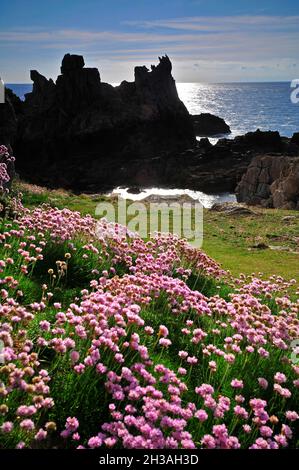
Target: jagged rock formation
{"x": 80, "y": 132}
{"x": 208, "y": 125}
{"x": 8, "y": 118}
{"x": 271, "y": 181}
{"x": 9, "y": 126}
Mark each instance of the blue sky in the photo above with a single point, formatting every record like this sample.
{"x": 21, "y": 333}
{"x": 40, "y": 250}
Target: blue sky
{"x": 207, "y": 40}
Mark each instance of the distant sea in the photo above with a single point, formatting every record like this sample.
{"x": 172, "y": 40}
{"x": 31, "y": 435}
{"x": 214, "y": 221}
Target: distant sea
{"x": 244, "y": 106}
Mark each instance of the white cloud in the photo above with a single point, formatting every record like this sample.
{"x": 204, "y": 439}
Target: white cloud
{"x": 230, "y": 44}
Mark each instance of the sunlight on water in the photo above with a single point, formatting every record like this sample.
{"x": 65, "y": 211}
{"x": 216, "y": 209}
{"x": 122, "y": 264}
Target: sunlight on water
{"x": 207, "y": 200}
{"x": 244, "y": 106}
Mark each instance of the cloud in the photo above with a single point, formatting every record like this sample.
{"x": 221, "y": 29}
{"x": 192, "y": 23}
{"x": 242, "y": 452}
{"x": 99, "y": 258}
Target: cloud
{"x": 216, "y": 43}
{"x": 221, "y": 23}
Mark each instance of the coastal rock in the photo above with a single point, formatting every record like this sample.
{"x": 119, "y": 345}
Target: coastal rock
{"x": 83, "y": 133}
{"x": 208, "y": 125}
{"x": 271, "y": 181}
{"x": 8, "y": 119}
{"x": 262, "y": 141}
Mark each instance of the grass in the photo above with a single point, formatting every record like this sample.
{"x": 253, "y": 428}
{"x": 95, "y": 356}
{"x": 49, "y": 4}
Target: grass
{"x": 230, "y": 240}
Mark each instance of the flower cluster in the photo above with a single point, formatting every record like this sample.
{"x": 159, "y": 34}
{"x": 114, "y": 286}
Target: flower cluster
{"x": 135, "y": 357}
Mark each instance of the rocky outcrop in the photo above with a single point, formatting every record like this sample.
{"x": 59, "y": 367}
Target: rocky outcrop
{"x": 295, "y": 138}
{"x": 208, "y": 125}
{"x": 261, "y": 141}
{"x": 8, "y": 118}
{"x": 271, "y": 181}
{"x": 82, "y": 133}
{"x": 9, "y": 111}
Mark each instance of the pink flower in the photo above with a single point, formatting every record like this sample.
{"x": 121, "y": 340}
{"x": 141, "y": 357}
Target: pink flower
{"x": 40, "y": 435}
{"x": 95, "y": 442}
{"x": 281, "y": 440}
{"x": 201, "y": 415}
{"x": 183, "y": 354}
{"x": 21, "y": 445}
{"x": 241, "y": 412}
{"x": 239, "y": 398}
{"x": 208, "y": 441}
{"x": 204, "y": 390}
{"x": 292, "y": 415}
{"x": 72, "y": 424}
{"x": 6, "y": 427}
{"x": 164, "y": 342}
{"x": 266, "y": 431}
{"x": 27, "y": 425}
{"x": 263, "y": 383}
{"x": 75, "y": 356}
{"x": 284, "y": 392}
{"x": 280, "y": 378}
{"x": 163, "y": 331}
{"x": 45, "y": 325}
{"x": 247, "y": 428}
{"x": 149, "y": 330}
{"x": 235, "y": 383}
{"x": 79, "y": 368}
{"x": 24, "y": 410}
{"x": 110, "y": 441}
{"x": 286, "y": 431}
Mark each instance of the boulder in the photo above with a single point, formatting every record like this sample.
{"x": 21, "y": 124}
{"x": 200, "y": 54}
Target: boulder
{"x": 271, "y": 181}
{"x": 208, "y": 125}
{"x": 232, "y": 208}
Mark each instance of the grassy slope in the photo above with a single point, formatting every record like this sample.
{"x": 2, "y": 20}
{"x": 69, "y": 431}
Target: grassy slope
{"x": 227, "y": 239}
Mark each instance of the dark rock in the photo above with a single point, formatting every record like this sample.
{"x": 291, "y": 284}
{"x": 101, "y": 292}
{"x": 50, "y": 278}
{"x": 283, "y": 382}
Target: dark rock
{"x": 84, "y": 134}
{"x": 208, "y": 125}
{"x": 72, "y": 62}
{"x": 8, "y": 119}
{"x": 265, "y": 141}
{"x": 260, "y": 246}
{"x": 295, "y": 138}
{"x": 134, "y": 190}
{"x": 204, "y": 144}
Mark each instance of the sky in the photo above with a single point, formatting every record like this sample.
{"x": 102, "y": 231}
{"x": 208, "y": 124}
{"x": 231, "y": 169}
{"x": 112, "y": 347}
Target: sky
{"x": 207, "y": 40}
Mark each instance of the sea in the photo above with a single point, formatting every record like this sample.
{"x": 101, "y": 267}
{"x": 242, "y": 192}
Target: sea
{"x": 244, "y": 106}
